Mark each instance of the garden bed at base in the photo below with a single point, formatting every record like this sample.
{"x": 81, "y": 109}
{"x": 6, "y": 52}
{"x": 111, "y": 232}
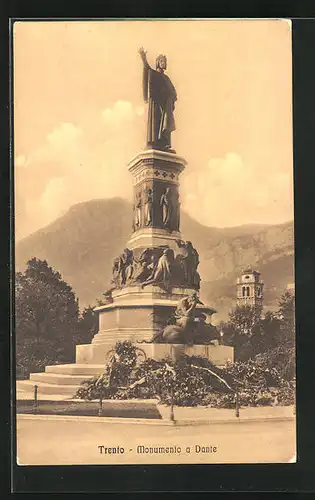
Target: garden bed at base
{"x": 119, "y": 409}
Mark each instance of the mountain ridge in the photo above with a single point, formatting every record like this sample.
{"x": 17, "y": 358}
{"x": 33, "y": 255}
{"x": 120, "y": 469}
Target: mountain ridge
{"x": 82, "y": 243}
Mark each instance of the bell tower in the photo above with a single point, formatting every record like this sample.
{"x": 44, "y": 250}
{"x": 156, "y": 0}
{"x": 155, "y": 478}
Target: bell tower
{"x": 250, "y": 289}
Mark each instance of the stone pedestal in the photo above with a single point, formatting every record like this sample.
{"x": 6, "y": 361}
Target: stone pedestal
{"x": 137, "y": 314}
{"x": 96, "y": 353}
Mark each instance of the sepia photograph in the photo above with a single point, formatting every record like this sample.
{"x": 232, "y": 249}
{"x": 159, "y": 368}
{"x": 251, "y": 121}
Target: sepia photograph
{"x": 154, "y": 242}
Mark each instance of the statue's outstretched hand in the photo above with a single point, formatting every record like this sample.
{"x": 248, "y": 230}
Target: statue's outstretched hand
{"x": 143, "y": 53}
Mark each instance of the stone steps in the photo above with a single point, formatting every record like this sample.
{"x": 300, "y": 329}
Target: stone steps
{"x": 45, "y": 388}
{"x": 58, "y": 381}
{"x": 41, "y": 396}
{"x": 76, "y": 369}
{"x": 59, "y": 378}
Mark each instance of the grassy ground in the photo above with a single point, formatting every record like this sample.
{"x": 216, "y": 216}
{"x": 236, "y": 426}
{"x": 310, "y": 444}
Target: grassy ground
{"x": 89, "y": 408}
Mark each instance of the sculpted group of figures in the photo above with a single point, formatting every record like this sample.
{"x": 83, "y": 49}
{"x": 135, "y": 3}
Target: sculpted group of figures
{"x": 186, "y": 327}
{"x": 168, "y": 209}
{"x": 158, "y": 266}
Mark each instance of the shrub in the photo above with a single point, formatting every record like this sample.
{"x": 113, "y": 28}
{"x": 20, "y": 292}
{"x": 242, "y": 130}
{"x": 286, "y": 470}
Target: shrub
{"x": 250, "y": 373}
{"x": 282, "y": 358}
{"x": 190, "y": 381}
{"x": 286, "y": 393}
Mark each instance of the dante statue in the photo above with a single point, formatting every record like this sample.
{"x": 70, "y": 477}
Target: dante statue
{"x": 159, "y": 91}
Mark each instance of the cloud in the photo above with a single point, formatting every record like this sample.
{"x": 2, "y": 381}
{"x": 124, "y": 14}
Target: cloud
{"x": 120, "y": 115}
{"x": 77, "y": 163}
{"x": 81, "y": 163}
{"x": 231, "y": 192}
{"x": 65, "y": 134}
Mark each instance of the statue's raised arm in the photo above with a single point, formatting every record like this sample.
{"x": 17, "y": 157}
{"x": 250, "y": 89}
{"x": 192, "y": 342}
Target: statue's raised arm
{"x": 143, "y": 55}
{"x": 160, "y": 93}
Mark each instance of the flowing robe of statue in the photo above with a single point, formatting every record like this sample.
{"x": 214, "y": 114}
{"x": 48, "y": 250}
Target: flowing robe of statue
{"x": 159, "y": 91}
{"x": 162, "y": 272}
{"x": 138, "y": 210}
{"x": 190, "y": 262}
{"x": 167, "y": 207}
{"x": 148, "y": 207}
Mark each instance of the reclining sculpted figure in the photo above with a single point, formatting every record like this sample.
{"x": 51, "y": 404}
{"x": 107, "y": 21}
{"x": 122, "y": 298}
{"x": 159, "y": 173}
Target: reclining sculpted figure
{"x": 181, "y": 326}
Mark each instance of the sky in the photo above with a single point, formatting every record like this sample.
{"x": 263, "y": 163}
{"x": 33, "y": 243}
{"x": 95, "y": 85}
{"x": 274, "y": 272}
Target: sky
{"x": 79, "y": 115}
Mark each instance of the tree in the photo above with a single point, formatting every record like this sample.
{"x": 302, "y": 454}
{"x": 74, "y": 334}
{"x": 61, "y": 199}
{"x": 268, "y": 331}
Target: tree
{"x": 242, "y": 331}
{"x": 87, "y": 327}
{"x": 47, "y": 316}
{"x": 270, "y": 331}
{"x": 286, "y": 316}
{"x": 249, "y": 333}
{"x": 52, "y": 301}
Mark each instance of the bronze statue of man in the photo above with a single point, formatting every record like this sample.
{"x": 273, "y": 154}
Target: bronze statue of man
{"x": 159, "y": 91}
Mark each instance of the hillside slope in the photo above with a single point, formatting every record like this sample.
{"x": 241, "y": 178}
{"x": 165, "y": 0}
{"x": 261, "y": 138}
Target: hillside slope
{"x": 83, "y": 243}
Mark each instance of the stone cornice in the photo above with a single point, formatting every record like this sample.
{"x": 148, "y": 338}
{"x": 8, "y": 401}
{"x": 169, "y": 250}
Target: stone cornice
{"x": 170, "y": 159}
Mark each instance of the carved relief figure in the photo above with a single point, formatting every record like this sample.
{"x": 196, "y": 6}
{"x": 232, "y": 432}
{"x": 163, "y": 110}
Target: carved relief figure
{"x": 117, "y": 271}
{"x": 205, "y": 333}
{"x": 134, "y": 217}
{"x": 122, "y": 270}
{"x": 148, "y": 207}
{"x": 158, "y": 265}
{"x": 162, "y": 273}
{"x": 185, "y": 311}
{"x": 190, "y": 262}
{"x": 176, "y": 210}
{"x": 127, "y": 258}
{"x": 182, "y": 329}
{"x": 167, "y": 207}
{"x": 145, "y": 266}
{"x": 159, "y": 91}
{"x": 138, "y": 206}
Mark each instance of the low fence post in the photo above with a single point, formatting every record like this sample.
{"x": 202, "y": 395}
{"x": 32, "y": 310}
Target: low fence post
{"x": 172, "y": 417}
{"x": 172, "y": 411}
{"x": 35, "y": 398}
{"x": 237, "y": 405}
{"x": 100, "y": 409}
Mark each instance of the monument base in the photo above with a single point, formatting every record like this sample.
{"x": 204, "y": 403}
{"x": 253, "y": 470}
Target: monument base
{"x": 137, "y": 314}
{"x": 97, "y": 353}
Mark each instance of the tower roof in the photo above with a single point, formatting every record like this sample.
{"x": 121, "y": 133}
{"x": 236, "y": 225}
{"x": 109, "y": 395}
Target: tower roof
{"x": 250, "y": 270}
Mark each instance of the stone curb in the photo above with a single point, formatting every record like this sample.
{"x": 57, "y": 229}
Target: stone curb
{"x": 102, "y": 420}
{"x": 151, "y": 421}
{"x": 235, "y": 420}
